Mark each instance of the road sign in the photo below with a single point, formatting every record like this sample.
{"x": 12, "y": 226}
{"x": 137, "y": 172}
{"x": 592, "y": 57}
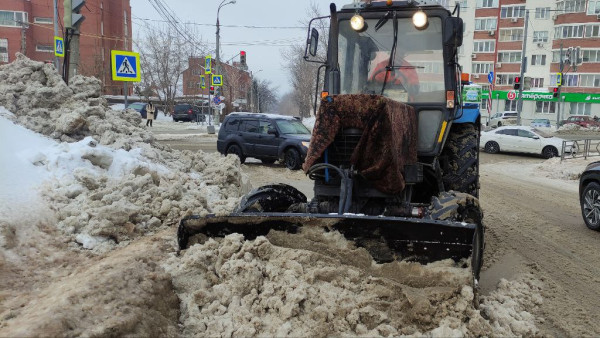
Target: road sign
{"x": 207, "y": 65}
{"x": 511, "y": 95}
{"x": 491, "y": 77}
{"x": 216, "y": 80}
{"x": 59, "y": 47}
{"x": 125, "y": 66}
{"x": 203, "y": 82}
{"x": 217, "y": 100}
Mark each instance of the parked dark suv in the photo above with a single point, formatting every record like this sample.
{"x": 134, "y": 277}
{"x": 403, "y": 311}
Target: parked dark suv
{"x": 187, "y": 112}
{"x": 267, "y": 137}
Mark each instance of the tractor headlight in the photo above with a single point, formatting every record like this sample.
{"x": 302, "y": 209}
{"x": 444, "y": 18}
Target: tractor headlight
{"x": 357, "y": 22}
{"x": 420, "y": 19}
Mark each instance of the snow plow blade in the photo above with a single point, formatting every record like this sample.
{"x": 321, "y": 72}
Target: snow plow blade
{"x": 386, "y": 238}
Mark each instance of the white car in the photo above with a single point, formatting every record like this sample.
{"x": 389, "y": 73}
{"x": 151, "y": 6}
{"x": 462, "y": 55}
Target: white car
{"x": 504, "y": 118}
{"x": 521, "y": 139}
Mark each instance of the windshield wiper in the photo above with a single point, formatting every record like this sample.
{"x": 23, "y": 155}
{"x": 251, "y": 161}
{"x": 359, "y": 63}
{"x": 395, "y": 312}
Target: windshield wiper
{"x": 390, "y": 65}
{"x": 383, "y": 20}
{"x": 403, "y": 67}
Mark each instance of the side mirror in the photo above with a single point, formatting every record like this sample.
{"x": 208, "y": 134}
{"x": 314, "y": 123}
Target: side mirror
{"x": 272, "y": 131}
{"x": 453, "y": 32}
{"x": 536, "y": 137}
{"x": 314, "y": 42}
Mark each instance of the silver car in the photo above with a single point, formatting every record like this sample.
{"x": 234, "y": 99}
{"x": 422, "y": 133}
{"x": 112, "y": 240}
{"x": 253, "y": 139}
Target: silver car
{"x": 544, "y": 123}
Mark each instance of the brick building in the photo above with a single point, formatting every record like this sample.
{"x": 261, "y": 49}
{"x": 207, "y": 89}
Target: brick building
{"x": 26, "y": 26}
{"x": 236, "y": 88}
{"x": 494, "y": 34}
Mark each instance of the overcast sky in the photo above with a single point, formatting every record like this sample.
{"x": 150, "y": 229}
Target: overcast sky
{"x": 262, "y": 45}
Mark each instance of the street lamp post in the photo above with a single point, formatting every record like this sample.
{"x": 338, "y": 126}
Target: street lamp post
{"x": 217, "y": 66}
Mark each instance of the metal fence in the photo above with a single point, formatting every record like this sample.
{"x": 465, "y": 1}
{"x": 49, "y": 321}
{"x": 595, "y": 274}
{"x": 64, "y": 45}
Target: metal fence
{"x": 580, "y": 149}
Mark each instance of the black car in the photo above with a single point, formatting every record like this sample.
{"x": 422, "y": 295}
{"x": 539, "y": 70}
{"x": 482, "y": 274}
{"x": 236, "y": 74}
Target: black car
{"x": 589, "y": 195}
{"x": 187, "y": 112}
{"x": 140, "y": 107}
{"x": 267, "y": 137}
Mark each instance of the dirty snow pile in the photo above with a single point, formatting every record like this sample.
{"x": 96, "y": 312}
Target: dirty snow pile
{"x": 272, "y": 287}
{"x": 112, "y": 180}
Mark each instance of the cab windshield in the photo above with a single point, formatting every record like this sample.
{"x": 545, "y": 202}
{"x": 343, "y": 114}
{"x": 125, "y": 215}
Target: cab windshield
{"x": 418, "y": 74}
{"x": 292, "y": 127}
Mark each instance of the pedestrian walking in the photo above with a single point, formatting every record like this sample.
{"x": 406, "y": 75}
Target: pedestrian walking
{"x": 150, "y": 113}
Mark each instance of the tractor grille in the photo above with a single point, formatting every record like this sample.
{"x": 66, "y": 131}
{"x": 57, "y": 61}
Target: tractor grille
{"x": 343, "y": 146}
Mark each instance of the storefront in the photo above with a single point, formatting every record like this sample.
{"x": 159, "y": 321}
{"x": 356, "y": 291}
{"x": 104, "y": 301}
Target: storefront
{"x": 541, "y": 104}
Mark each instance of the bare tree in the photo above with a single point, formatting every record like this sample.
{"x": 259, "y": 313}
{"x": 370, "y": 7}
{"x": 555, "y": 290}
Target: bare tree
{"x": 287, "y": 105}
{"x": 265, "y": 96}
{"x": 303, "y": 74}
{"x": 164, "y": 54}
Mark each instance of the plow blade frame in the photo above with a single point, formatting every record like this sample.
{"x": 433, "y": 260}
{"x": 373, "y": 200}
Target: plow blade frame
{"x": 411, "y": 239}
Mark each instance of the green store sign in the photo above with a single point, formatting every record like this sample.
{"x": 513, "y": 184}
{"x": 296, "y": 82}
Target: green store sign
{"x": 541, "y": 96}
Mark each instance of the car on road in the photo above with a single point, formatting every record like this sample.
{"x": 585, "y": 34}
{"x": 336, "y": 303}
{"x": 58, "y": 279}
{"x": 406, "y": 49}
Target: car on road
{"x": 140, "y": 107}
{"x": 267, "y": 137}
{"x": 503, "y": 118}
{"x": 589, "y": 195}
{"x": 544, "y": 123}
{"x": 584, "y": 121}
{"x": 521, "y": 139}
{"x": 187, "y": 112}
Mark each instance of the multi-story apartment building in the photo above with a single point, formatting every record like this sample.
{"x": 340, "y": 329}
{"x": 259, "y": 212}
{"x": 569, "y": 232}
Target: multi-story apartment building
{"x": 27, "y": 26}
{"x": 494, "y": 35}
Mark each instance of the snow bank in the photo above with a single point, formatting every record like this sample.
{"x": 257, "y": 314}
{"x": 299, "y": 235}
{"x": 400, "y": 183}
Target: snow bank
{"x": 233, "y": 287}
{"x": 105, "y": 175}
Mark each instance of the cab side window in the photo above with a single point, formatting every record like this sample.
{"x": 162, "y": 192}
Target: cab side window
{"x": 265, "y": 126}
{"x": 525, "y": 133}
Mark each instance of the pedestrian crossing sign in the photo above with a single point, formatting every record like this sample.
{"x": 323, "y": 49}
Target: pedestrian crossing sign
{"x": 203, "y": 82}
{"x": 217, "y": 80}
{"x": 59, "y": 47}
{"x": 208, "y": 65}
{"x": 125, "y": 66}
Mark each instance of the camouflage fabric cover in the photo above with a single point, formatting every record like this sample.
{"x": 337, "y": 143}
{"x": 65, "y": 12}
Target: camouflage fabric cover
{"x": 388, "y": 142}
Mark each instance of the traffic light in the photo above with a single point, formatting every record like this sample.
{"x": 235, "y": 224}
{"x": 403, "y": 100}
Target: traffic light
{"x": 555, "y": 92}
{"x": 72, "y": 17}
{"x": 243, "y": 57}
{"x": 517, "y": 84}
{"x": 212, "y": 90}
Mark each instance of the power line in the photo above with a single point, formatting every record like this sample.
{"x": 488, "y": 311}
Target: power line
{"x": 229, "y": 26}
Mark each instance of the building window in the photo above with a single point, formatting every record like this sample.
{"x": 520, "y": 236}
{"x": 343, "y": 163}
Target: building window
{"x": 542, "y": 13}
{"x": 590, "y": 80}
{"x": 509, "y": 57}
{"x": 46, "y": 21}
{"x": 510, "y": 105}
{"x": 566, "y": 32}
{"x": 486, "y": 24}
{"x": 540, "y": 36}
{"x": 463, "y": 4}
{"x": 545, "y": 107}
{"x": 537, "y": 82}
{"x": 592, "y": 31}
{"x": 13, "y": 19}
{"x": 3, "y": 50}
{"x": 593, "y": 7}
{"x": 538, "y": 60}
{"x": 569, "y": 80}
{"x": 487, "y": 3}
{"x": 515, "y": 34}
{"x": 591, "y": 55}
{"x": 505, "y": 79}
{"x": 482, "y": 67}
{"x": 512, "y": 12}
{"x": 571, "y": 6}
{"x": 44, "y": 48}
{"x": 484, "y": 46}
{"x": 581, "y": 108}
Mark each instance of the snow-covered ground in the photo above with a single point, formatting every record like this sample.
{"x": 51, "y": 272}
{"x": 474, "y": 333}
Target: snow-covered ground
{"x": 104, "y": 199}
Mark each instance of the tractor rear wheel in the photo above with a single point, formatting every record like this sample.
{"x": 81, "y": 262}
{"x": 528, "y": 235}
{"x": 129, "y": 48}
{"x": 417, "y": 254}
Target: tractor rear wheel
{"x": 461, "y": 157}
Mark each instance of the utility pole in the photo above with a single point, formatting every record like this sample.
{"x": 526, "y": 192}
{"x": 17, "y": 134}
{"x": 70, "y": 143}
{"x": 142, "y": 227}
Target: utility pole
{"x": 523, "y": 67}
{"x": 56, "y": 58}
{"x": 126, "y": 47}
{"x": 561, "y": 66}
{"x": 23, "y": 38}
